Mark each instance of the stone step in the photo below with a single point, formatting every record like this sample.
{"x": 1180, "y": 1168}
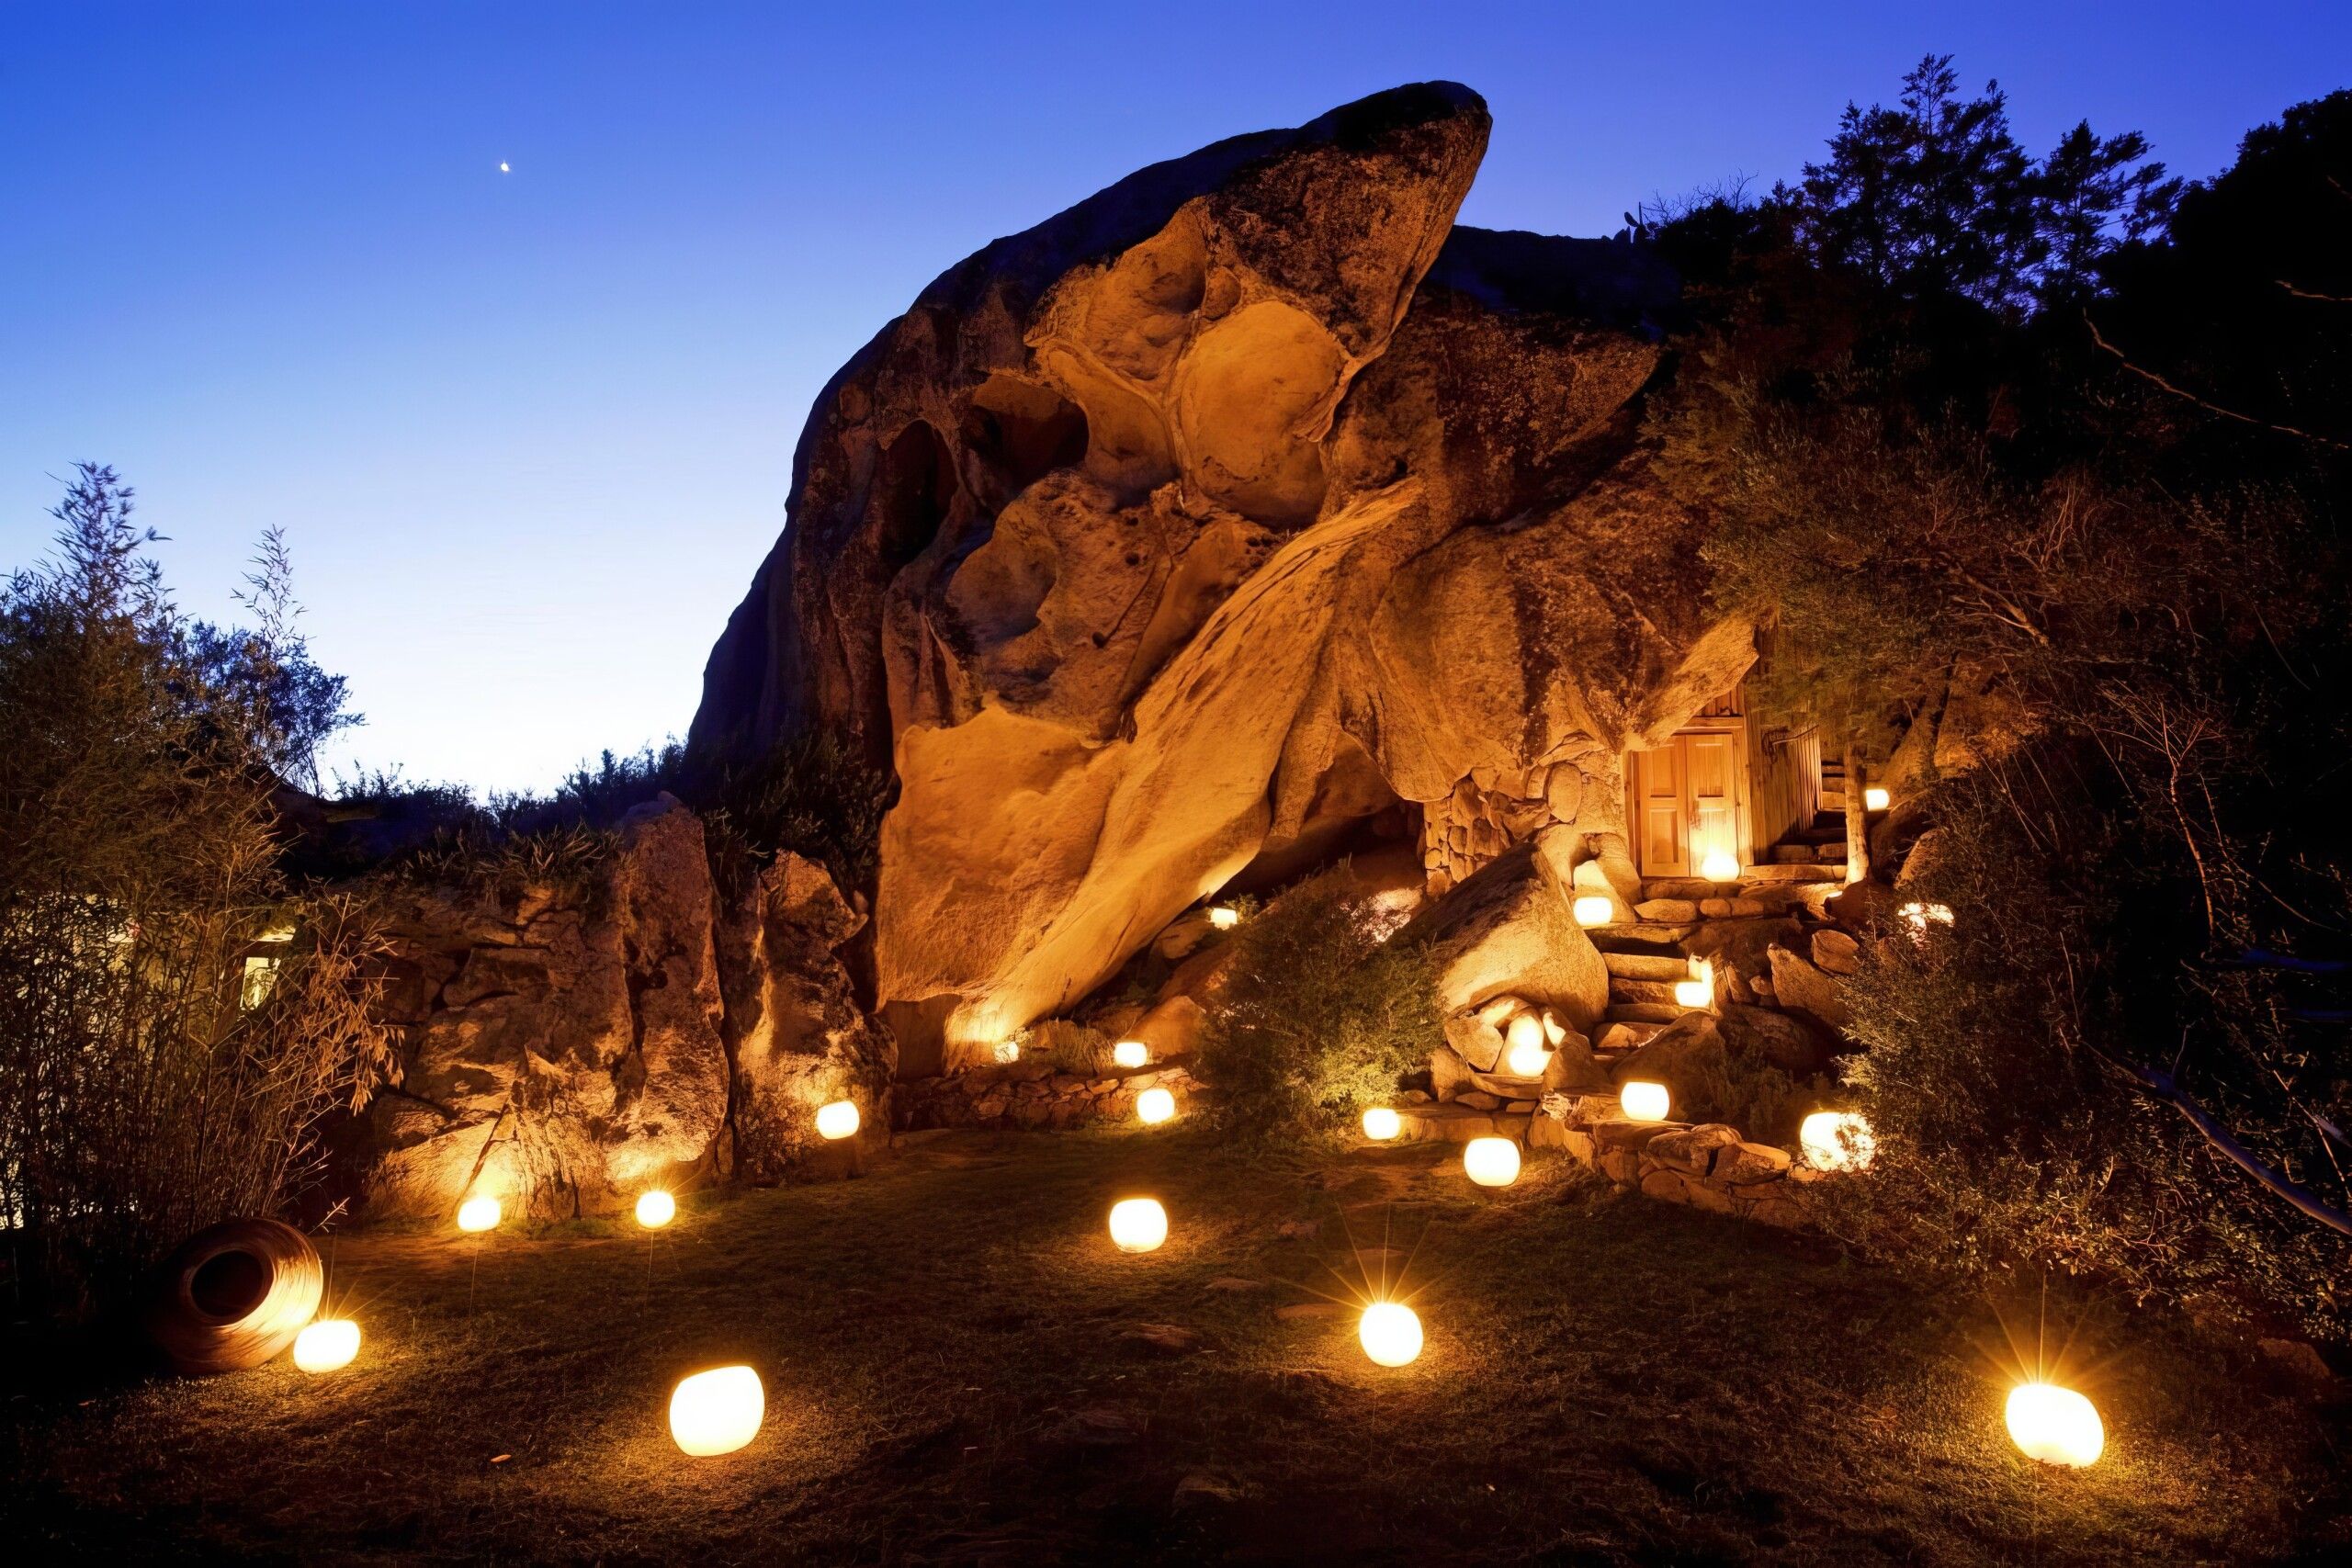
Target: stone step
{"x": 1647, "y": 966}
{"x": 1614, "y": 1040}
{"x": 1832, "y": 800}
{"x": 1643, "y": 1012}
{"x": 1816, "y": 873}
{"x": 1646, "y": 937}
{"x": 1637, "y": 992}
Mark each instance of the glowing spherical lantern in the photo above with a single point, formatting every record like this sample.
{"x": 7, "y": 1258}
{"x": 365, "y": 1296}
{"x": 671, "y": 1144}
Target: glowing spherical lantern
{"x": 836, "y": 1121}
{"x": 1006, "y": 1053}
{"x": 1138, "y": 1224}
{"x": 1876, "y": 799}
{"x": 1130, "y": 1053}
{"x": 1491, "y": 1162}
{"x": 326, "y": 1345}
{"x": 1922, "y": 916}
{"x": 2054, "y": 1425}
{"x": 1154, "y": 1106}
{"x": 1528, "y": 1059}
{"x": 1390, "y": 1333}
{"x": 1643, "y": 1100}
{"x": 1699, "y": 990}
{"x": 1837, "y": 1140}
{"x": 1381, "y": 1123}
{"x": 1592, "y": 909}
{"x": 1719, "y": 866}
{"x": 476, "y": 1214}
{"x": 1525, "y": 1028}
{"x": 716, "y": 1412}
{"x": 656, "y": 1209}
{"x": 1225, "y": 917}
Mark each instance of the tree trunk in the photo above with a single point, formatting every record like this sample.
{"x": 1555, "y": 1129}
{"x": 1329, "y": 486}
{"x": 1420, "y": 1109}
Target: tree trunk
{"x": 1858, "y": 836}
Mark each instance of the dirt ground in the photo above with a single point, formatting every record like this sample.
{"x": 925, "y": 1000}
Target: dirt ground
{"x": 958, "y": 1370}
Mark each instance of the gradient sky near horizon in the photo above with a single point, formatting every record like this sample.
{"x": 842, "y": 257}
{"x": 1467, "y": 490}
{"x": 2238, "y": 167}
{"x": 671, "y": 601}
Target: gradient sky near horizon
{"x": 529, "y": 434}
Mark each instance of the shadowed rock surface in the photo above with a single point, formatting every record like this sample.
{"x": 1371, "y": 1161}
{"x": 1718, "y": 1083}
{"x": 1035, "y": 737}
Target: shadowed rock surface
{"x": 1166, "y": 546}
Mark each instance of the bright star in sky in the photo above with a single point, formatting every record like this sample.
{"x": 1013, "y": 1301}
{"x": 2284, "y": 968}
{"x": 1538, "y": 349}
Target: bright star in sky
{"x": 504, "y": 169}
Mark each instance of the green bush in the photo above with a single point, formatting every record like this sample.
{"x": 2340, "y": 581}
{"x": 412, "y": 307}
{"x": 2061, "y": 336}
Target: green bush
{"x": 1319, "y": 1016}
{"x": 2011, "y": 1142}
{"x": 810, "y": 795}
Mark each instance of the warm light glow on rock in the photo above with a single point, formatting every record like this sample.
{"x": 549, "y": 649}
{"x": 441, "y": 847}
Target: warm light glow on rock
{"x": 1154, "y": 1106}
{"x": 1919, "y": 916}
{"x": 656, "y": 1209}
{"x": 1007, "y": 1052}
{"x": 1130, "y": 1053}
{"x": 1138, "y": 1224}
{"x": 718, "y": 1412}
{"x": 1719, "y": 866}
{"x": 1876, "y": 799}
{"x": 836, "y": 1121}
{"x": 1225, "y": 917}
{"x": 1837, "y": 1140}
{"x": 1643, "y": 1100}
{"x": 1528, "y": 1059}
{"x": 1390, "y": 1333}
{"x": 2054, "y": 1425}
{"x": 1491, "y": 1162}
{"x": 326, "y": 1345}
{"x": 1525, "y": 1030}
{"x": 1381, "y": 1123}
{"x": 1592, "y": 909}
{"x": 478, "y": 1214}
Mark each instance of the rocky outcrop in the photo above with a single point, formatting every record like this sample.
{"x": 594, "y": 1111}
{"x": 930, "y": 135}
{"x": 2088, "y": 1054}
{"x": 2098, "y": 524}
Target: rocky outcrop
{"x": 569, "y": 1042}
{"x": 1247, "y": 502}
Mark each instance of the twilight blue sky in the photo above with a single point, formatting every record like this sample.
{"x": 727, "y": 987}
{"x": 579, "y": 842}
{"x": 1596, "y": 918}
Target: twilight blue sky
{"x": 529, "y": 434}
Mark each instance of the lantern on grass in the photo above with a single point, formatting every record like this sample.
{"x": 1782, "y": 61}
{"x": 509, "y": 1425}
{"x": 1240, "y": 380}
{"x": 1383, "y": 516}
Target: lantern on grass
{"x": 326, "y": 1345}
{"x": 1225, "y": 917}
{"x": 1381, "y": 1123}
{"x": 1593, "y": 909}
{"x": 1006, "y": 1053}
{"x": 2054, "y": 1425}
{"x": 1719, "y": 866}
{"x": 1491, "y": 1162}
{"x": 836, "y": 1121}
{"x": 656, "y": 1209}
{"x": 1390, "y": 1333}
{"x": 478, "y": 1214}
{"x": 1643, "y": 1100}
{"x": 1154, "y": 1106}
{"x": 1138, "y": 1224}
{"x": 1130, "y": 1053}
{"x": 716, "y": 1412}
{"x": 1876, "y": 799}
{"x": 1837, "y": 1140}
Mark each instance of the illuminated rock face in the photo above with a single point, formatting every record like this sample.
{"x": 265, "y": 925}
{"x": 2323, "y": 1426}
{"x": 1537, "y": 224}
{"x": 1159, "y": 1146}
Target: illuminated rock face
{"x": 1242, "y": 505}
{"x": 566, "y": 1044}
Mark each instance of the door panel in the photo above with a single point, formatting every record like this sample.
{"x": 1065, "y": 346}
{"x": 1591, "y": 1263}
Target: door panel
{"x": 1660, "y": 801}
{"x": 1711, "y": 767}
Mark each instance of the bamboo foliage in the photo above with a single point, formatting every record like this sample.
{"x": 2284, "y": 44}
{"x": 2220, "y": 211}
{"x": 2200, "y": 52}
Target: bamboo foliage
{"x": 140, "y": 1096}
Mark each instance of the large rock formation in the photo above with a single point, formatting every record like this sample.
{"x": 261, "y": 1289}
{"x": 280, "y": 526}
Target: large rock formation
{"x": 568, "y": 1041}
{"x": 1245, "y": 501}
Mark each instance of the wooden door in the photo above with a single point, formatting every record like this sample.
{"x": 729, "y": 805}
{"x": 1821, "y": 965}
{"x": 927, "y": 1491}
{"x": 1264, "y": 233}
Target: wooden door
{"x": 1662, "y": 811}
{"x": 1711, "y": 774}
{"x": 1687, "y": 802}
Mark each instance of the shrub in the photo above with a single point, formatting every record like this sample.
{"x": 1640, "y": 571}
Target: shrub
{"x": 810, "y": 795}
{"x": 2011, "y": 1141}
{"x": 175, "y": 1027}
{"x": 1320, "y": 1016}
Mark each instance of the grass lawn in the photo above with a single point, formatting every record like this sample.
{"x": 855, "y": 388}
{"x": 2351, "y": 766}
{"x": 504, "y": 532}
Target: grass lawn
{"x": 949, "y": 1378}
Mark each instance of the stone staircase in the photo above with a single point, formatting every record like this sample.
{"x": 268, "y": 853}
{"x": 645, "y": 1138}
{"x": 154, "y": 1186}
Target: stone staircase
{"x": 1822, "y": 842}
